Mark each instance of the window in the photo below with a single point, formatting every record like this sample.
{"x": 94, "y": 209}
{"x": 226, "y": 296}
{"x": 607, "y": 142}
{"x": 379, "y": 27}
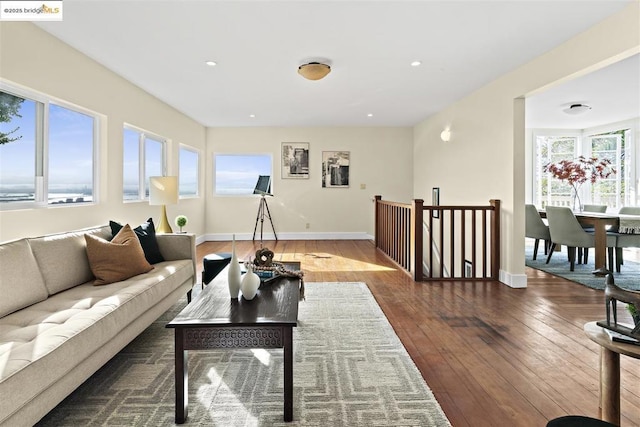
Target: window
{"x": 610, "y": 191}
{"x": 188, "y": 173}
{"x": 551, "y": 191}
{"x": 615, "y": 191}
{"x": 238, "y": 174}
{"x": 71, "y": 136}
{"x": 46, "y": 151}
{"x": 143, "y": 155}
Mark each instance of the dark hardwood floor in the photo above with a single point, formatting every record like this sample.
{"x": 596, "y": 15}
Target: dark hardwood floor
{"x": 492, "y": 355}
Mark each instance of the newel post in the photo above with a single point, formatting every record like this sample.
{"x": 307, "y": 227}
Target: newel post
{"x": 495, "y": 239}
{"x": 416, "y": 247}
{"x": 376, "y": 224}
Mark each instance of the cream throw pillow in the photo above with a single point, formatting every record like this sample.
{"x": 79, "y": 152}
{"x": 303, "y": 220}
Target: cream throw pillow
{"x": 118, "y": 259}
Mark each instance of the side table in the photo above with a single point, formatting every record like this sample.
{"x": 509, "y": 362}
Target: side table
{"x": 610, "y": 352}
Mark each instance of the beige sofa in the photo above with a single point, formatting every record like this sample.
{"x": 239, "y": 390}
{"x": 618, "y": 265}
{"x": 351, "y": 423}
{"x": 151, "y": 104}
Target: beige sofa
{"x": 57, "y": 328}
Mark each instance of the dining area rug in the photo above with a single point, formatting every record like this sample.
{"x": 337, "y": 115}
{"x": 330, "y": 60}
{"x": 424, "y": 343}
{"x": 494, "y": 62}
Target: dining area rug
{"x": 350, "y": 369}
{"x": 628, "y": 278}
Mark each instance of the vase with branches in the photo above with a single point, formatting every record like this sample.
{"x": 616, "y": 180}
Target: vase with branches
{"x": 577, "y": 172}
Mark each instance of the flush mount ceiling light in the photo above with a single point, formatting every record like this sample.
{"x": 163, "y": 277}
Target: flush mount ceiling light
{"x": 314, "y": 70}
{"x": 445, "y": 135}
{"x": 577, "y": 109}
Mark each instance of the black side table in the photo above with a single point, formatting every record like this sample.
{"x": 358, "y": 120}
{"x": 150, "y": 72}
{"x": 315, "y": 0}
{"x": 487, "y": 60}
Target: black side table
{"x": 212, "y": 265}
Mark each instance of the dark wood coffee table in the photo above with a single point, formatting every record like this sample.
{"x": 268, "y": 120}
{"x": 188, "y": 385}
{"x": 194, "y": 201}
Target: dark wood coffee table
{"x": 214, "y": 321}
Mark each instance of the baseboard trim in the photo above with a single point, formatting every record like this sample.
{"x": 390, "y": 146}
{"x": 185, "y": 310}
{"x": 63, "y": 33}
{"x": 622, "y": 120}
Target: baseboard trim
{"x": 513, "y": 280}
{"x": 217, "y": 237}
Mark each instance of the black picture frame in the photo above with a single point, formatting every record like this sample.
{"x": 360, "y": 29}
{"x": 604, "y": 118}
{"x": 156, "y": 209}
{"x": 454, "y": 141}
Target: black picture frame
{"x": 435, "y": 201}
{"x": 295, "y": 160}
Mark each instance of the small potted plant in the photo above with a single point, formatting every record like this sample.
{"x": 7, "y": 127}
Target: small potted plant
{"x": 635, "y": 313}
{"x": 181, "y": 221}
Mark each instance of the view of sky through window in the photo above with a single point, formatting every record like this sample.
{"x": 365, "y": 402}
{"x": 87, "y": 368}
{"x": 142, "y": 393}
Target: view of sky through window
{"x": 237, "y": 174}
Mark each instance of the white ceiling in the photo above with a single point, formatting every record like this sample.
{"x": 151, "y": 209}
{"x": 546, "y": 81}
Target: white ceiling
{"x": 162, "y": 46}
{"x": 613, "y": 93}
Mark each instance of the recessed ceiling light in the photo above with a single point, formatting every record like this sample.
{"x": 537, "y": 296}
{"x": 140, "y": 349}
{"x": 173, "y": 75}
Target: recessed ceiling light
{"x": 252, "y": 115}
{"x": 211, "y": 63}
{"x": 416, "y": 63}
{"x": 370, "y": 115}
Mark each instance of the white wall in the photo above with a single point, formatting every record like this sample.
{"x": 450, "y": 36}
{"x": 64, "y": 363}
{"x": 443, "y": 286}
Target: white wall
{"x": 485, "y": 157}
{"x": 380, "y": 159}
{"x": 32, "y": 58}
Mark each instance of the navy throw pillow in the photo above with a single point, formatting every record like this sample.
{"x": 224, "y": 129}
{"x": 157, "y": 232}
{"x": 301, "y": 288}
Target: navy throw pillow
{"x": 147, "y": 235}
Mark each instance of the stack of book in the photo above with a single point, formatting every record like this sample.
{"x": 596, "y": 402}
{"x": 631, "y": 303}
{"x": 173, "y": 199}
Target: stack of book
{"x": 618, "y": 337}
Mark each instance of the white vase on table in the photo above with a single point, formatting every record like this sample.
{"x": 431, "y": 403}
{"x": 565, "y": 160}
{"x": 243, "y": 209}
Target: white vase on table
{"x": 234, "y": 277}
{"x": 250, "y": 283}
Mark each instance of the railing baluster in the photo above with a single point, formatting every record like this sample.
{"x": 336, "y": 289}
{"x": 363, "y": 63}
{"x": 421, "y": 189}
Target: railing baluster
{"x": 400, "y": 235}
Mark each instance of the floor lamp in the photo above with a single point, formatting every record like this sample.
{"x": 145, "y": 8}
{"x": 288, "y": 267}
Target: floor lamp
{"x": 163, "y": 190}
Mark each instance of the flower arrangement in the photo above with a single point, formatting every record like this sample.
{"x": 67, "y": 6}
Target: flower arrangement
{"x": 577, "y": 172}
{"x": 181, "y": 221}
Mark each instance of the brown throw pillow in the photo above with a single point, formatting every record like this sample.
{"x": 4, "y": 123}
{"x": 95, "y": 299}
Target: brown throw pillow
{"x": 118, "y": 259}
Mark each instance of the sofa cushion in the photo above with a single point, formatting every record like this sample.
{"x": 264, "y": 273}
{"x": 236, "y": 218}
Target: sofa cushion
{"x": 62, "y": 258}
{"x": 147, "y": 235}
{"x": 117, "y": 260}
{"x": 21, "y": 283}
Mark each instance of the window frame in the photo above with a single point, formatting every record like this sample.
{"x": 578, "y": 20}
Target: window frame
{"x": 631, "y": 161}
{"x": 41, "y": 178}
{"x": 143, "y": 134}
{"x": 549, "y": 133}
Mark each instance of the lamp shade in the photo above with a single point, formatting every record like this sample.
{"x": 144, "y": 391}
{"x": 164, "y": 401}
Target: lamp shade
{"x": 163, "y": 190}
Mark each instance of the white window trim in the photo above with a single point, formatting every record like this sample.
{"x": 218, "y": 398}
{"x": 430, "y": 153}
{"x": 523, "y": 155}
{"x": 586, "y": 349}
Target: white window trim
{"x": 42, "y": 146}
{"x": 632, "y": 159}
{"x": 143, "y": 133}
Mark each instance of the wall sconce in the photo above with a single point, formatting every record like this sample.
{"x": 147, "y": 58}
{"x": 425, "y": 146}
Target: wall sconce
{"x": 445, "y": 136}
{"x": 163, "y": 190}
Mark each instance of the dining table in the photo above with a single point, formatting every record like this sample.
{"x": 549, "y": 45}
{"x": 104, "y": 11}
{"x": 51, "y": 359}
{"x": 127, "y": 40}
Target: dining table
{"x": 601, "y": 222}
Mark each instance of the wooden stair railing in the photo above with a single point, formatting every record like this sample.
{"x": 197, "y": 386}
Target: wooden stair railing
{"x": 446, "y": 242}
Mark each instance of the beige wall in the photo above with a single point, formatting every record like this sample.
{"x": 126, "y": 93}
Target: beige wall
{"x": 32, "y": 58}
{"x": 380, "y": 159}
{"x": 485, "y": 157}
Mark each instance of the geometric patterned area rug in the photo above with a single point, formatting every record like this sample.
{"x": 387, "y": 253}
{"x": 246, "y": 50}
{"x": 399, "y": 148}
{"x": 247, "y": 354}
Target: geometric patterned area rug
{"x": 628, "y": 278}
{"x": 350, "y": 369}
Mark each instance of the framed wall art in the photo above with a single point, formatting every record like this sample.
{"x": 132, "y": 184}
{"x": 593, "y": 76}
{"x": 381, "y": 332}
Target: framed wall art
{"x": 335, "y": 169}
{"x": 295, "y": 160}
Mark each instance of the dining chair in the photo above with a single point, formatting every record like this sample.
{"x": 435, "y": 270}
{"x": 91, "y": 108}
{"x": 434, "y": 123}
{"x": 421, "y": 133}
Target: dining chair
{"x": 589, "y": 228}
{"x": 565, "y": 229}
{"x": 625, "y": 240}
{"x": 535, "y": 228}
